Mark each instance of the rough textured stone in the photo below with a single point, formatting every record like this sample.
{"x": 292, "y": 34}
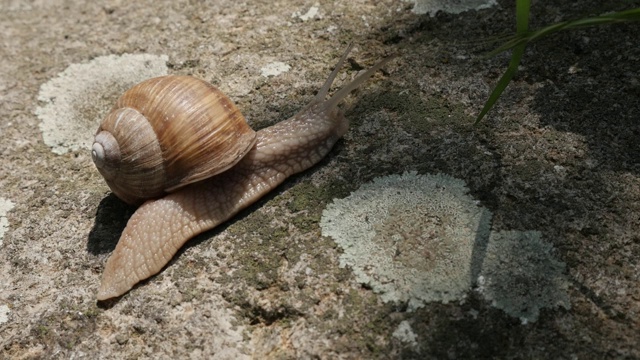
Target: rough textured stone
{"x": 557, "y": 154}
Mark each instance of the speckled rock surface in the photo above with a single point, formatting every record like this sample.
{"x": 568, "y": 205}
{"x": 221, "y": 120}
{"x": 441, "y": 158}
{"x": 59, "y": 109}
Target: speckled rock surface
{"x": 558, "y": 155}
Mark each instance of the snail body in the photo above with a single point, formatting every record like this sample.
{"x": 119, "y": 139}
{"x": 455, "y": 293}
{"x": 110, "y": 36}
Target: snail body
{"x": 276, "y": 152}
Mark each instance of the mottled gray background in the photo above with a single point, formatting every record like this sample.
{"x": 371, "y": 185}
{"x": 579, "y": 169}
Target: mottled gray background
{"x": 559, "y": 155}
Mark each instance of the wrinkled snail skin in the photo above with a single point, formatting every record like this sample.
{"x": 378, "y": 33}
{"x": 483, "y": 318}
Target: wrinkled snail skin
{"x": 159, "y": 228}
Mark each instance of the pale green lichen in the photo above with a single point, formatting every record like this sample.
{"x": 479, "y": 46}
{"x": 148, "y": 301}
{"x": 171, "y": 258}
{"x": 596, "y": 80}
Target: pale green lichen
{"x": 431, "y": 7}
{"x": 5, "y": 206}
{"x": 274, "y": 69}
{"x": 412, "y": 238}
{"x": 4, "y": 314}
{"x": 405, "y": 333}
{"x": 520, "y": 275}
{"x": 73, "y": 102}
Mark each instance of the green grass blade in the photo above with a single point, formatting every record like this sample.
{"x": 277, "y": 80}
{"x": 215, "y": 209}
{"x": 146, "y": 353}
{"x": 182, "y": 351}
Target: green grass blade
{"x": 522, "y": 16}
{"x": 526, "y": 37}
{"x": 523, "y": 37}
{"x": 518, "y": 52}
{"x": 522, "y": 27}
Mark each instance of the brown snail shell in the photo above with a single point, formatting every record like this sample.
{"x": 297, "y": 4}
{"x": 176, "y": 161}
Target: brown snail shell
{"x": 167, "y": 132}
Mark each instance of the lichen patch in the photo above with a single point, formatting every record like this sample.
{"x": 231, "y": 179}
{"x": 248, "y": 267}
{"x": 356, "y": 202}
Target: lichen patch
{"x": 4, "y": 314}
{"x": 431, "y": 7}
{"x": 73, "y": 103}
{"x": 521, "y": 276}
{"x": 274, "y": 69}
{"x": 5, "y": 207}
{"x": 405, "y": 333}
{"x": 412, "y": 238}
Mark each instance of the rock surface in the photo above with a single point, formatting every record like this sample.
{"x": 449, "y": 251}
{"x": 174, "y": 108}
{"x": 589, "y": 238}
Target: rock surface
{"x": 558, "y": 155}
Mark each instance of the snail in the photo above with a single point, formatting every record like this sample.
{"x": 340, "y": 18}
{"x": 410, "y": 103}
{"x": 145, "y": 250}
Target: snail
{"x": 182, "y": 147}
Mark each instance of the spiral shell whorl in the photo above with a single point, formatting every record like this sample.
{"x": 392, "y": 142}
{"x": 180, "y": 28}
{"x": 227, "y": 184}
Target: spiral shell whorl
{"x": 127, "y": 154}
{"x": 105, "y": 153}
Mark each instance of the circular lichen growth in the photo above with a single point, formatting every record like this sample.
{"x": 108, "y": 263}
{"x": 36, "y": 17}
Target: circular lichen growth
{"x": 74, "y": 102}
{"x": 520, "y": 275}
{"x": 412, "y": 238}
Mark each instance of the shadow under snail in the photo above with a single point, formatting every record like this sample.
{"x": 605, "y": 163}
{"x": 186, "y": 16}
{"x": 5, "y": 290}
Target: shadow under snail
{"x": 182, "y": 143}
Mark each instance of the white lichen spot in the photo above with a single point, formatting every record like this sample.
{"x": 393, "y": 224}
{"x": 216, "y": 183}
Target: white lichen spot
{"x": 520, "y": 275}
{"x": 431, "y": 7}
{"x": 74, "y": 102}
{"x": 5, "y": 207}
{"x": 4, "y": 314}
{"x": 312, "y": 13}
{"x": 405, "y": 333}
{"x": 274, "y": 69}
{"x": 412, "y": 238}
